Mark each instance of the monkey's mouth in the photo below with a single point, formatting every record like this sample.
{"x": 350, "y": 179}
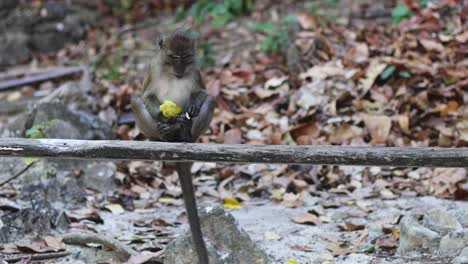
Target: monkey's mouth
{"x": 178, "y": 75}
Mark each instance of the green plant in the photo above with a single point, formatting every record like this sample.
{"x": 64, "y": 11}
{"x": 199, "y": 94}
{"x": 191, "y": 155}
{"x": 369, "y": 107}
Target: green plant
{"x": 325, "y": 11}
{"x": 221, "y": 12}
{"x": 112, "y": 67}
{"x": 277, "y": 38}
{"x": 206, "y": 57}
{"x": 401, "y": 11}
{"x": 37, "y": 131}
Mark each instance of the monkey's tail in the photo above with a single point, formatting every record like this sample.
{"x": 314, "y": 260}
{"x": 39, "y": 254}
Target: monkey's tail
{"x": 185, "y": 178}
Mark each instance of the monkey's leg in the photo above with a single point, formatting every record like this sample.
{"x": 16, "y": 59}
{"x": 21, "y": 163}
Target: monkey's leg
{"x": 145, "y": 122}
{"x": 203, "y": 120}
{"x": 185, "y": 178}
{"x": 152, "y": 104}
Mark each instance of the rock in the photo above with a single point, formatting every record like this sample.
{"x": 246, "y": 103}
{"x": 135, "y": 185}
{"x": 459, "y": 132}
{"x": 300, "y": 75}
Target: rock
{"x": 14, "y": 48}
{"x": 52, "y": 179}
{"x": 99, "y": 177}
{"x": 27, "y": 27}
{"x": 40, "y": 218}
{"x": 70, "y": 124}
{"x": 452, "y": 243}
{"x": 226, "y": 243}
{"x": 354, "y": 259}
{"x": 375, "y": 231}
{"x": 441, "y": 221}
{"x": 462, "y": 258}
{"x": 462, "y": 215}
{"x": 74, "y": 95}
{"x": 415, "y": 238}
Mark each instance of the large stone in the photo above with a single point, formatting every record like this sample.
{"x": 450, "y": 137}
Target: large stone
{"x": 462, "y": 258}
{"x": 14, "y": 48}
{"x": 38, "y": 219}
{"x": 52, "y": 179}
{"x": 453, "y": 243}
{"x": 226, "y": 242}
{"x": 416, "y": 238}
{"x": 45, "y": 28}
{"x": 441, "y": 221}
{"x": 99, "y": 177}
{"x": 462, "y": 215}
{"x": 70, "y": 124}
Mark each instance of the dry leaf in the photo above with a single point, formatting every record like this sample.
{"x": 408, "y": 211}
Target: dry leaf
{"x": 431, "y": 45}
{"x": 306, "y": 21}
{"x": 379, "y": 127}
{"x": 292, "y": 200}
{"x": 306, "y": 218}
{"x": 302, "y": 248}
{"x": 115, "y": 208}
{"x": 292, "y": 261}
{"x": 231, "y": 203}
{"x": 233, "y": 136}
{"x": 340, "y": 249}
{"x": 373, "y": 71}
{"x": 54, "y": 243}
{"x": 352, "y": 225}
{"x": 270, "y": 235}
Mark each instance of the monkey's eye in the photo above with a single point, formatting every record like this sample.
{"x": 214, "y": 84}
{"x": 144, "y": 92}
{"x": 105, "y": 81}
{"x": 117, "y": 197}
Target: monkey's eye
{"x": 174, "y": 57}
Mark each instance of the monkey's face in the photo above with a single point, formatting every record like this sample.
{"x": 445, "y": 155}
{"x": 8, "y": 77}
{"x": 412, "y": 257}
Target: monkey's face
{"x": 179, "y": 55}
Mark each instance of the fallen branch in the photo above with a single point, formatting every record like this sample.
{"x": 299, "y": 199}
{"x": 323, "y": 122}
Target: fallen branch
{"x": 86, "y": 238}
{"x": 13, "y": 258}
{"x": 330, "y": 155}
{"x": 40, "y": 77}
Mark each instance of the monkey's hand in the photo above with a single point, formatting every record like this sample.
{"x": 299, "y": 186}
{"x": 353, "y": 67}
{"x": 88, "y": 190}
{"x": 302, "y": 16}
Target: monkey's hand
{"x": 193, "y": 110}
{"x": 184, "y": 119}
{"x": 168, "y": 132}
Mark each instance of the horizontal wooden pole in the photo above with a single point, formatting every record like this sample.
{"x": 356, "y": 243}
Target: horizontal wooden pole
{"x": 145, "y": 150}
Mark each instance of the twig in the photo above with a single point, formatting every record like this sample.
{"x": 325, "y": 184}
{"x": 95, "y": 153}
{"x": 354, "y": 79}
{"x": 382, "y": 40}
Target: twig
{"x": 142, "y": 25}
{"x": 40, "y": 77}
{"x": 18, "y": 174}
{"x": 86, "y": 238}
{"x": 34, "y": 257}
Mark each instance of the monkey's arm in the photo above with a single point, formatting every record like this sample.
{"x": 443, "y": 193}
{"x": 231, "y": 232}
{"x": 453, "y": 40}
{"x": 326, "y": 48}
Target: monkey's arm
{"x": 200, "y": 108}
{"x": 202, "y": 121}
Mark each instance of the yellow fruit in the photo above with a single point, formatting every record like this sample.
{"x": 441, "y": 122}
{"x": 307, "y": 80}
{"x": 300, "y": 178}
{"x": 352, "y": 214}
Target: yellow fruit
{"x": 169, "y": 108}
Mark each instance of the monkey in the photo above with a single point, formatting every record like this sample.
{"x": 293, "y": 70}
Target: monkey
{"x": 173, "y": 75}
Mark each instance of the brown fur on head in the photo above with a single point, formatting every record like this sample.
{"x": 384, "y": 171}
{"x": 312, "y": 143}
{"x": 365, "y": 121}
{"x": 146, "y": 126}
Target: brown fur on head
{"x": 178, "y": 54}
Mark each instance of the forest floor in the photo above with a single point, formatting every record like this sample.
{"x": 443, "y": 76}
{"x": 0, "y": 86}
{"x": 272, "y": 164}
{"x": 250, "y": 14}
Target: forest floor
{"x": 336, "y": 72}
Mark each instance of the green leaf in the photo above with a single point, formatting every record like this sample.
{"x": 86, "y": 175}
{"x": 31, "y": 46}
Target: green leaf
{"x": 399, "y": 13}
{"x": 35, "y": 131}
{"x": 265, "y": 27}
{"x": 405, "y": 74}
{"x": 313, "y": 9}
{"x": 220, "y": 20}
{"x": 29, "y": 160}
{"x": 368, "y": 249}
{"x": 387, "y": 72}
{"x": 290, "y": 19}
{"x": 180, "y": 13}
{"x": 424, "y": 3}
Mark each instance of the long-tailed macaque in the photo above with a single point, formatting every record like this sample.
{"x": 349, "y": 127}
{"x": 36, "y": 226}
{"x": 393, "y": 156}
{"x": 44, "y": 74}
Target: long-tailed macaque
{"x": 173, "y": 75}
